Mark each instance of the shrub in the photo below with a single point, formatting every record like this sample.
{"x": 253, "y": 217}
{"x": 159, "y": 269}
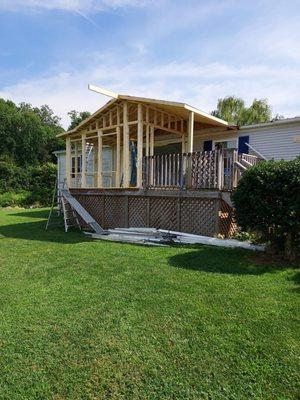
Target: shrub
{"x": 14, "y": 199}
{"x": 13, "y": 177}
{"x": 267, "y": 200}
{"x": 42, "y": 181}
{"x": 25, "y": 186}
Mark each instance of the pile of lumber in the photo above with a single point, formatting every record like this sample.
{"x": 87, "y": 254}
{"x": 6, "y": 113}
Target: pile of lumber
{"x": 162, "y": 237}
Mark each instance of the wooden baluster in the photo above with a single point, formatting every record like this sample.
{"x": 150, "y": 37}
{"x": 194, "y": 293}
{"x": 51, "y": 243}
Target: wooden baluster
{"x": 174, "y": 169}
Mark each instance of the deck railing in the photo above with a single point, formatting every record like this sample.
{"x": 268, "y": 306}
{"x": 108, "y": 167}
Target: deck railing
{"x": 253, "y": 160}
{"x": 200, "y": 170}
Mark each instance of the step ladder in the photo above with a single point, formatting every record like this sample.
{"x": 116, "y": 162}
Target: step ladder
{"x": 64, "y": 209}
{"x": 70, "y": 216}
{"x": 70, "y": 208}
{"x": 81, "y": 211}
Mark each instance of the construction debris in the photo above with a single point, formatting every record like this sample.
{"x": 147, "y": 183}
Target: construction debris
{"x": 162, "y": 237}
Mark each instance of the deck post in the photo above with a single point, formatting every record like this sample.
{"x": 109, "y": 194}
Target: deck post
{"x": 151, "y": 140}
{"x": 183, "y": 144}
{"x": 118, "y": 158}
{"x": 147, "y": 146}
{"x": 139, "y": 164}
{"x": 126, "y": 172}
{"x": 191, "y": 132}
{"x": 76, "y": 163}
{"x": 220, "y": 169}
{"x": 68, "y": 161}
{"x": 83, "y": 165}
{"x": 100, "y": 159}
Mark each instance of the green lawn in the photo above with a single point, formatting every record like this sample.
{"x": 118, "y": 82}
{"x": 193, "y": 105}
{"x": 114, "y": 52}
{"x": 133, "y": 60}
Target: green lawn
{"x": 82, "y": 319}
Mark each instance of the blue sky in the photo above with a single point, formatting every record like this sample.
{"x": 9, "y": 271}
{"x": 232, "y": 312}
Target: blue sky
{"x": 191, "y": 51}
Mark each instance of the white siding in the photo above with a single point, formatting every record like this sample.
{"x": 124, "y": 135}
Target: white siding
{"x": 273, "y": 141}
{"x": 61, "y": 168}
{"x": 199, "y": 137}
{"x": 276, "y": 141}
{"x": 107, "y": 166}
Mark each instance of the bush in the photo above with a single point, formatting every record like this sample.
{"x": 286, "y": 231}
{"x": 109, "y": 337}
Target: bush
{"x": 42, "y": 181}
{"x": 14, "y": 199}
{"x": 267, "y": 200}
{"x": 13, "y": 177}
{"x": 22, "y": 187}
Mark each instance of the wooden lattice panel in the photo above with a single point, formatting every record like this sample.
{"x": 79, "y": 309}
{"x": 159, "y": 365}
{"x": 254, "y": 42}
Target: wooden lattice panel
{"x": 81, "y": 198}
{"x": 198, "y": 216}
{"x": 95, "y": 206}
{"x": 115, "y": 210}
{"x": 138, "y": 211}
{"x": 227, "y": 225}
{"x": 163, "y": 213}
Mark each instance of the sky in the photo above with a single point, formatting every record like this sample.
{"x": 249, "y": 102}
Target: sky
{"x": 192, "y": 51}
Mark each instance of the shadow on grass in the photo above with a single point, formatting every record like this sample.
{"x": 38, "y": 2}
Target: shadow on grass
{"x": 222, "y": 261}
{"x": 32, "y": 213}
{"x": 36, "y": 230}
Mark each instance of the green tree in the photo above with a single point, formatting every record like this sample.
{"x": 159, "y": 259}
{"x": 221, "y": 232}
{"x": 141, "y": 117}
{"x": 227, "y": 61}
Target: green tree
{"x": 77, "y": 117}
{"x": 27, "y": 134}
{"x": 234, "y": 110}
{"x": 230, "y": 109}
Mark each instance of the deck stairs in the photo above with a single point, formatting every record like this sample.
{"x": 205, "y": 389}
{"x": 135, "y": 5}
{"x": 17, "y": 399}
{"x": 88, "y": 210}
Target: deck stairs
{"x": 241, "y": 165}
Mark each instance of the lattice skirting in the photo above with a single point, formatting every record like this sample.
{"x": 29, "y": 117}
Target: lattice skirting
{"x": 209, "y": 216}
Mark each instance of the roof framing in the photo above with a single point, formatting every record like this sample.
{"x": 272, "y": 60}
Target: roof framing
{"x": 182, "y": 110}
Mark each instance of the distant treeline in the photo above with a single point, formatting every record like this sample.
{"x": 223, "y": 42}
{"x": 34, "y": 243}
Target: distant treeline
{"x": 27, "y": 142}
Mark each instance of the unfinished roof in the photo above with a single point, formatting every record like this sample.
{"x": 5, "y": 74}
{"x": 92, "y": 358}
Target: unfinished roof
{"x": 177, "y": 108}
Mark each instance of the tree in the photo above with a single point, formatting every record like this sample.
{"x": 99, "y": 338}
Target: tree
{"x": 267, "y": 200}
{"x": 27, "y": 134}
{"x": 234, "y": 110}
{"x": 230, "y": 109}
{"x": 77, "y": 117}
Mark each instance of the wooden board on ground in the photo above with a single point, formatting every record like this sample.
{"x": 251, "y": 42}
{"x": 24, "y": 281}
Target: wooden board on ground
{"x": 151, "y": 236}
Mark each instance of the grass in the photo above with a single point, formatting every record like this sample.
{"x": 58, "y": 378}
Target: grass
{"x": 82, "y": 319}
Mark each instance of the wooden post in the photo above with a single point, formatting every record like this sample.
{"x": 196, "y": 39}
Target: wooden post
{"x": 151, "y": 151}
{"x": 183, "y": 144}
{"x": 139, "y": 161}
{"x": 147, "y": 139}
{"x": 126, "y": 172}
{"x": 234, "y": 169}
{"x": 83, "y": 165}
{"x": 100, "y": 159}
{"x": 191, "y": 132}
{"x": 68, "y": 161}
{"x": 118, "y": 158}
{"x": 76, "y": 163}
{"x": 220, "y": 169}
{"x": 152, "y": 141}
{"x": 147, "y": 131}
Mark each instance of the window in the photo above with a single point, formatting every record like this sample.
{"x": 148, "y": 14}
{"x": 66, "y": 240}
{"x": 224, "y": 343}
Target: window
{"x": 79, "y": 160}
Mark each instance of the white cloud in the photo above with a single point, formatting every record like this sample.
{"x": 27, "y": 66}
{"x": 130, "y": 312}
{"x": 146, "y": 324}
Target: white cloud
{"x": 259, "y": 59}
{"x": 83, "y": 6}
{"x": 198, "y": 85}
